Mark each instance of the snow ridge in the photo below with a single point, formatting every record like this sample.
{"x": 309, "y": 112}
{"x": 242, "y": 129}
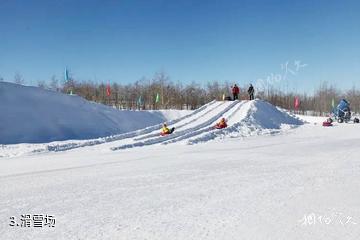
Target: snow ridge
{"x": 261, "y": 118}
{"x": 245, "y": 118}
{"x": 72, "y": 145}
{"x": 180, "y": 133}
{"x": 35, "y": 115}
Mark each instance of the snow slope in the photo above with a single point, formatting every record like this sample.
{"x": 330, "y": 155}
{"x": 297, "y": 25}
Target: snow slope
{"x": 34, "y": 115}
{"x": 251, "y": 118}
{"x": 260, "y": 187}
{"x": 245, "y": 118}
{"x": 21, "y": 149}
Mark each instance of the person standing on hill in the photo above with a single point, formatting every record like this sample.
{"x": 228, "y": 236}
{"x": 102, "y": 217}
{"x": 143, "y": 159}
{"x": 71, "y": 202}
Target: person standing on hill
{"x": 235, "y": 91}
{"x": 251, "y": 92}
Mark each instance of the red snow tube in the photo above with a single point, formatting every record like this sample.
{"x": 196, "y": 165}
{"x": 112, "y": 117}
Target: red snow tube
{"x": 220, "y": 127}
{"x": 327, "y": 124}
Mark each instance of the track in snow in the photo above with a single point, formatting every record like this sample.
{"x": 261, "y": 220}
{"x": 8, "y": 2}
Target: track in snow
{"x": 193, "y": 126}
{"x": 84, "y": 143}
{"x": 244, "y": 118}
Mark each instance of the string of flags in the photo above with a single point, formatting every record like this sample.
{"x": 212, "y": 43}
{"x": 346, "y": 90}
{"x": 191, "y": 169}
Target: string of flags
{"x": 108, "y": 89}
{"x": 297, "y": 103}
{"x": 157, "y": 96}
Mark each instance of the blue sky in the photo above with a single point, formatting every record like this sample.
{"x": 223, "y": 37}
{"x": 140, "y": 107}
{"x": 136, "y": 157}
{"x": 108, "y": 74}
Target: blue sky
{"x": 236, "y": 41}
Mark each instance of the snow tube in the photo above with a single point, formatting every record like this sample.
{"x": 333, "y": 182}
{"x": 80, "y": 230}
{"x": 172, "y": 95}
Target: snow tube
{"x": 327, "y": 124}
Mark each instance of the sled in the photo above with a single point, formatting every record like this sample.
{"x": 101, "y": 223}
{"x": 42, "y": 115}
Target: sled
{"x": 327, "y": 124}
{"x": 218, "y": 127}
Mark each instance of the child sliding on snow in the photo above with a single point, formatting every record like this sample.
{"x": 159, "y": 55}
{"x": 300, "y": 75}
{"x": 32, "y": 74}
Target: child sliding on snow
{"x": 165, "y": 130}
{"x": 221, "y": 124}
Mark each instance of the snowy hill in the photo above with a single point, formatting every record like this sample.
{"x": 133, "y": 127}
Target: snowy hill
{"x": 244, "y": 118}
{"x": 302, "y": 185}
{"x": 249, "y": 118}
{"x": 34, "y": 115}
{"x": 289, "y": 180}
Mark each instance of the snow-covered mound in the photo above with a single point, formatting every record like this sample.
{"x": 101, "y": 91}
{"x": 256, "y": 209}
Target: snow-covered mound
{"x": 266, "y": 116}
{"x": 34, "y": 115}
{"x": 244, "y": 118}
{"x": 252, "y": 118}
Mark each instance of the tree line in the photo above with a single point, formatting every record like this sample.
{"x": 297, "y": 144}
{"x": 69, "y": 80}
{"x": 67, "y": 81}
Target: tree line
{"x": 160, "y": 92}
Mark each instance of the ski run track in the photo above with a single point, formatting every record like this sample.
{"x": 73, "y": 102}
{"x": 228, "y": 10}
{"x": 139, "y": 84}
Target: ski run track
{"x": 193, "y": 128}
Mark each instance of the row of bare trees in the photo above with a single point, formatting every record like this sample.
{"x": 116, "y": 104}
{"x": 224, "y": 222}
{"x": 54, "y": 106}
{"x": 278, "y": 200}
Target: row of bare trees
{"x": 159, "y": 92}
{"x": 324, "y": 98}
{"x": 319, "y": 103}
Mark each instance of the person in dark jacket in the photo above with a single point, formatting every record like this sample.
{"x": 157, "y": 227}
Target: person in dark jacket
{"x": 251, "y": 92}
{"x": 235, "y": 91}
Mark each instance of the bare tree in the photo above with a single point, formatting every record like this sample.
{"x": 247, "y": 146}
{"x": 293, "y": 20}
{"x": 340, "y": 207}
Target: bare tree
{"x": 353, "y": 96}
{"x": 42, "y": 84}
{"x": 54, "y": 83}
{"x": 18, "y": 79}
{"x": 193, "y": 95}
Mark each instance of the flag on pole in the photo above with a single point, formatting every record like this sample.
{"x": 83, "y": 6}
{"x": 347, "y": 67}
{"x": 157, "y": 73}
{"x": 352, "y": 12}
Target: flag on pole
{"x": 66, "y": 75}
{"x": 296, "y": 103}
{"x": 333, "y": 102}
{"x": 157, "y": 99}
{"x": 223, "y": 97}
{"x": 108, "y": 90}
{"x": 139, "y": 101}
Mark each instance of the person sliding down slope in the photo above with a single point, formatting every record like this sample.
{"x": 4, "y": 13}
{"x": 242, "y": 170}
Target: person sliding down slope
{"x": 166, "y": 131}
{"x": 221, "y": 124}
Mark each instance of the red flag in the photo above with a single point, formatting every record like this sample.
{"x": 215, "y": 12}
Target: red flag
{"x": 296, "y": 103}
{"x": 108, "y": 90}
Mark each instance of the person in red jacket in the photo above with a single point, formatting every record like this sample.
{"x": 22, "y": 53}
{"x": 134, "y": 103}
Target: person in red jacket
{"x": 235, "y": 91}
{"x": 221, "y": 124}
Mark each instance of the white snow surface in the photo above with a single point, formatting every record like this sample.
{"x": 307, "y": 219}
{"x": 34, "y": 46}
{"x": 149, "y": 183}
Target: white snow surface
{"x": 245, "y": 118}
{"x": 257, "y": 179}
{"x": 34, "y": 115}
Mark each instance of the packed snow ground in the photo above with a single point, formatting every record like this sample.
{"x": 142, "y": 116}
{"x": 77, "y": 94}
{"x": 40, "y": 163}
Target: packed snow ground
{"x": 34, "y": 115}
{"x": 256, "y": 180}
